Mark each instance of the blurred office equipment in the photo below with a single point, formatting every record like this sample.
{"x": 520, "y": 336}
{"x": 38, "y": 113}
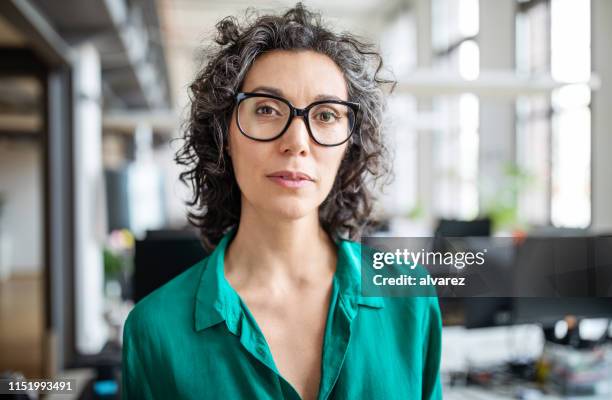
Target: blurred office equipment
{"x": 577, "y": 264}
{"x": 162, "y": 255}
{"x": 589, "y": 301}
{"x": 582, "y": 369}
{"x": 105, "y": 377}
{"x": 467, "y": 311}
{"x": 550, "y": 277}
{"x": 117, "y": 198}
{"x": 476, "y": 227}
{"x": 570, "y": 364}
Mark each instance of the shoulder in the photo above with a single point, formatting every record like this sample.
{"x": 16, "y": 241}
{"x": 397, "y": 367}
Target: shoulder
{"x": 171, "y": 304}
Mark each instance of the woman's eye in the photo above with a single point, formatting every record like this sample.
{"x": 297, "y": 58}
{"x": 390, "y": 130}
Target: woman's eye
{"x": 327, "y": 116}
{"x": 265, "y": 110}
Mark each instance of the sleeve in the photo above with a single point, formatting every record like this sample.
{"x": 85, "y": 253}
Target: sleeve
{"x": 134, "y": 382}
{"x": 432, "y": 350}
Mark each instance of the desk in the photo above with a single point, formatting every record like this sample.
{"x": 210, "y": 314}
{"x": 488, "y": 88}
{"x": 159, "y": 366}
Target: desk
{"x": 476, "y": 393}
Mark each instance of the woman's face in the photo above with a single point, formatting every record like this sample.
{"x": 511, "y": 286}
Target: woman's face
{"x": 301, "y": 77}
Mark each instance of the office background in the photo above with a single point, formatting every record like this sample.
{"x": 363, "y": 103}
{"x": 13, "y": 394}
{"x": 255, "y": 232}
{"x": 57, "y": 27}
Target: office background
{"x": 501, "y": 114}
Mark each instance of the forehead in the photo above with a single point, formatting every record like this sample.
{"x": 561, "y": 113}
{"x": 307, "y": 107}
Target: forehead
{"x": 300, "y": 75}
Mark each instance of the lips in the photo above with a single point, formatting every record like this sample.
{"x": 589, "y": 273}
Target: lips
{"x": 291, "y": 175}
{"x": 291, "y": 179}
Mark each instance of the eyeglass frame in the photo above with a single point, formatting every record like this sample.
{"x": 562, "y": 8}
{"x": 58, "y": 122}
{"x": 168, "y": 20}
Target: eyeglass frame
{"x": 298, "y": 112}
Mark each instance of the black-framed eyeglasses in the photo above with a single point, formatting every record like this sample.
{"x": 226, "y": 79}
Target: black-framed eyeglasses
{"x": 266, "y": 117}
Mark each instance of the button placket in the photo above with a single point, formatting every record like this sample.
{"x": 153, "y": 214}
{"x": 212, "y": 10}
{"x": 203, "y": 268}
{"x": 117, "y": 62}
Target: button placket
{"x": 335, "y": 351}
{"x": 254, "y": 343}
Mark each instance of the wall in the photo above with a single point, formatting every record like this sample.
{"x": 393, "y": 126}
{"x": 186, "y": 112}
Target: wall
{"x": 21, "y": 223}
{"x": 601, "y": 218}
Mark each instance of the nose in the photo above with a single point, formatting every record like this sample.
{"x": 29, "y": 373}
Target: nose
{"x": 296, "y": 140}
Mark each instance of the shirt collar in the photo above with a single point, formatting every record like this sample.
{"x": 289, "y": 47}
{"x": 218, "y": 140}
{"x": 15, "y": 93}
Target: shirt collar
{"x": 217, "y": 301}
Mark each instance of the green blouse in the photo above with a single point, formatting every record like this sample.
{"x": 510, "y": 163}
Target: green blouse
{"x": 194, "y": 338}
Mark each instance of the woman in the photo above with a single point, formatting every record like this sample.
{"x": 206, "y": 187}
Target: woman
{"x": 285, "y": 125}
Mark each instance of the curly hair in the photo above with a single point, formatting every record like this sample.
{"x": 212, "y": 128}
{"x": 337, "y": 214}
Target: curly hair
{"x": 347, "y": 210}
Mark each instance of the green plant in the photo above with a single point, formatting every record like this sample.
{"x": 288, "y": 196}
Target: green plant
{"x": 113, "y": 264}
{"x": 502, "y": 207}
{"x": 416, "y": 212}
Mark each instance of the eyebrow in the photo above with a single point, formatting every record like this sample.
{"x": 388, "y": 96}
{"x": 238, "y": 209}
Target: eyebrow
{"x": 279, "y": 93}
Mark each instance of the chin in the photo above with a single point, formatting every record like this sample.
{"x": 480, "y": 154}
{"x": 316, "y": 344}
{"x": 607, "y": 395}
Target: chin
{"x": 291, "y": 208}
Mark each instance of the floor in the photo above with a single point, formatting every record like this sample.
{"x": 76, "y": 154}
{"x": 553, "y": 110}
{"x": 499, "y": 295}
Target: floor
{"x": 21, "y": 324}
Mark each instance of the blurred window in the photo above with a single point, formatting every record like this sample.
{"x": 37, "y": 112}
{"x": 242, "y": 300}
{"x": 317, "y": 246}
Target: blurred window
{"x": 455, "y": 26}
{"x": 554, "y": 133}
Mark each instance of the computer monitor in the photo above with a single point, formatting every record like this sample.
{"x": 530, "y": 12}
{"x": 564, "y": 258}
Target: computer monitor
{"x": 472, "y": 312}
{"x": 581, "y": 268}
{"x": 161, "y": 256}
{"x": 582, "y": 271}
{"x": 475, "y": 227}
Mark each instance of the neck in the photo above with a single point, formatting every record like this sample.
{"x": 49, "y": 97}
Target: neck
{"x": 277, "y": 253}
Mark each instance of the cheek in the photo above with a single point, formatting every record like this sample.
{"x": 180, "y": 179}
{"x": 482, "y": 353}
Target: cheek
{"x": 329, "y": 163}
{"x": 246, "y": 159}
{"x": 240, "y": 157}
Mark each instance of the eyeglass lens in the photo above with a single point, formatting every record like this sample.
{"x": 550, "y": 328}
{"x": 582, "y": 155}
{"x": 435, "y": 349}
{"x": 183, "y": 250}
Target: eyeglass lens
{"x": 264, "y": 118}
